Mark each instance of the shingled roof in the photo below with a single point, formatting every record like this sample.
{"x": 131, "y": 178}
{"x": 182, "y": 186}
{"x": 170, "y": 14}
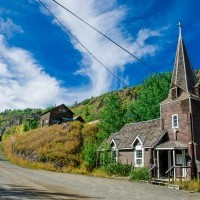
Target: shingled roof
{"x": 183, "y": 74}
{"x": 148, "y": 132}
{"x": 172, "y": 144}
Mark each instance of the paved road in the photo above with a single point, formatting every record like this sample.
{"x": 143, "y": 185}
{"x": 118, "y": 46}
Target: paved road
{"x": 19, "y": 183}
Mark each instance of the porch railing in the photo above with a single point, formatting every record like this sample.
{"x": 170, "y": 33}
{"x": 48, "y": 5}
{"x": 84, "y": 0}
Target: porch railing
{"x": 152, "y": 168}
{"x": 171, "y": 172}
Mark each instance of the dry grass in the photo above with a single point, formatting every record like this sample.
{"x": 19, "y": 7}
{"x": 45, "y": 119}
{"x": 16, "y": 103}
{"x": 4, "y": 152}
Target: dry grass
{"x": 58, "y": 147}
{"x": 55, "y": 148}
{"x": 192, "y": 186}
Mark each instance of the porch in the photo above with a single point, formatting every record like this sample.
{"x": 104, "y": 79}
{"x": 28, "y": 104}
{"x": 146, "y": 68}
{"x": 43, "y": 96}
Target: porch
{"x": 171, "y": 161}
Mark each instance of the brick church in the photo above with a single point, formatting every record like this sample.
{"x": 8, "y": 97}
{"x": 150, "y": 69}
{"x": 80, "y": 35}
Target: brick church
{"x": 169, "y": 145}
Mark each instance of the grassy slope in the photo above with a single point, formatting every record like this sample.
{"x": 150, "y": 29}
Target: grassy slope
{"x": 57, "y": 146}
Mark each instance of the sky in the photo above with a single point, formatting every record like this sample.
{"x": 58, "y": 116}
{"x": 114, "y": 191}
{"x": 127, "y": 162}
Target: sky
{"x": 42, "y": 65}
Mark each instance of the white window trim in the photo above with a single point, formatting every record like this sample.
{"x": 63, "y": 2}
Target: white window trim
{"x": 139, "y": 147}
{"x": 137, "y": 138}
{"x": 175, "y": 115}
{"x": 116, "y": 153}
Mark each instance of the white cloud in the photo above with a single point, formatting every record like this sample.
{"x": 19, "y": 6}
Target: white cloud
{"x": 106, "y": 17}
{"x": 23, "y": 83}
{"x": 7, "y": 27}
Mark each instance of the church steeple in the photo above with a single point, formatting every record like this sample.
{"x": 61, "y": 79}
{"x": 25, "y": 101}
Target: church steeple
{"x": 183, "y": 78}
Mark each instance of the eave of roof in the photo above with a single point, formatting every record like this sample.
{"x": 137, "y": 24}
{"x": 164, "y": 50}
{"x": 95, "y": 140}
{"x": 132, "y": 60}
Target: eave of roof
{"x": 172, "y": 144}
{"x": 55, "y": 109}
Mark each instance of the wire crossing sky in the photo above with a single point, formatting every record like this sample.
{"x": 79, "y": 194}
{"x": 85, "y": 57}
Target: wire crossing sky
{"x": 42, "y": 65}
{"x": 118, "y": 45}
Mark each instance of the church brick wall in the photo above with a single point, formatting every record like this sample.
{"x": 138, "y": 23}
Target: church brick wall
{"x": 196, "y": 125}
{"x": 147, "y": 157}
{"x": 126, "y": 157}
{"x": 182, "y": 109}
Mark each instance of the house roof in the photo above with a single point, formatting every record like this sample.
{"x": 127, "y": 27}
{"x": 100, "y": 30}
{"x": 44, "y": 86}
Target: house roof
{"x": 148, "y": 132}
{"x": 78, "y": 118}
{"x": 172, "y": 144}
{"x": 57, "y": 108}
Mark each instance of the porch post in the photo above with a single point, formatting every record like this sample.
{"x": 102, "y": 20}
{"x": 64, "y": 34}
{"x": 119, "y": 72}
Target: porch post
{"x": 174, "y": 163}
{"x": 158, "y": 164}
{"x": 184, "y": 163}
{"x": 169, "y": 159}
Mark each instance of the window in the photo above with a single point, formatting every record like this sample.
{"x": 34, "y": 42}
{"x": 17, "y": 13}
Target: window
{"x": 175, "y": 121}
{"x": 138, "y": 156}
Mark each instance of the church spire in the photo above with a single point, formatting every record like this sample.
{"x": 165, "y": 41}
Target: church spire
{"x": 183, "y": 77}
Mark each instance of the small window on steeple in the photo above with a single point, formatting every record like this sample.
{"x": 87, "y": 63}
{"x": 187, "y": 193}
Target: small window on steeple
{"x": 175, "y": 121}
{"x": 176, "y": 92}
{"x": 174, "y": 95}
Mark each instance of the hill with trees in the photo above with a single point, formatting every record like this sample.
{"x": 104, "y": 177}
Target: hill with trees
{"x": 75, "y": 144}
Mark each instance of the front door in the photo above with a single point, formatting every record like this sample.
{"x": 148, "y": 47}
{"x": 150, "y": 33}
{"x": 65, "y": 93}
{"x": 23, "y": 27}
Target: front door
{"x": 163, "y": 162}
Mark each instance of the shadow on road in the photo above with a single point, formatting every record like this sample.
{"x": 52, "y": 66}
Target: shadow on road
{"x": 23, "y": 192}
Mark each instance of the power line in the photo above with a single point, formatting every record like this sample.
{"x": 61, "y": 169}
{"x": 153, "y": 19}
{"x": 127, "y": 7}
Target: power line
{"x": 72, "y": 35}
{"x": 104, "y": 35}
{"x": 121, "y": 47}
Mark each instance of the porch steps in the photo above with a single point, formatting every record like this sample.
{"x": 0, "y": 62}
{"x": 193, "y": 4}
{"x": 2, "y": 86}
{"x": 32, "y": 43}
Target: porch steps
{"x": 164, "y": 182}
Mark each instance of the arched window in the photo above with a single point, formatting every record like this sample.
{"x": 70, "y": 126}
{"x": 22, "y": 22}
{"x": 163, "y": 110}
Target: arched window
{"x": 138, "y": 152}
{"x": 175, "y": 121}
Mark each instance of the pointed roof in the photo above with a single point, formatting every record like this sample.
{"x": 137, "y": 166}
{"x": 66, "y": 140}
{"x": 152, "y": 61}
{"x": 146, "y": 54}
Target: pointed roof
{"x": 183, "y": 74}
{"x": 57, "y": 107}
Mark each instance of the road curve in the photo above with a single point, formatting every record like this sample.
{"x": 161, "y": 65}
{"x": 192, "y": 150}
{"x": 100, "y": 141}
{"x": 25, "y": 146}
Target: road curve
{"x": 20, "y": 183}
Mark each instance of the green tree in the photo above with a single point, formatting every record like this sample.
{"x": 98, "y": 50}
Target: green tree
{"x": 30, "y": 124}
{"x": 112, "y": 117}
{"x": 89, "y": 152}
{"x": 153, "y": 90}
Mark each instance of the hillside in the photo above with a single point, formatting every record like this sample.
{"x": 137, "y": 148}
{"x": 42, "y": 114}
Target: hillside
{"x": 90, "y": 109}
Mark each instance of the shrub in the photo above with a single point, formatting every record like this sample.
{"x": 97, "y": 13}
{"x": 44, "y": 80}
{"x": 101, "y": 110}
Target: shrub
{"x": 139, "y": 174}
{"x": 89, "y": 153}
{"x": 118, "y": 169}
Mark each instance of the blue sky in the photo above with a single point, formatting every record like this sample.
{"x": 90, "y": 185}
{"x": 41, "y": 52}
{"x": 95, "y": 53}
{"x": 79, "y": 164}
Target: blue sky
{"x": 41, "y": 65}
